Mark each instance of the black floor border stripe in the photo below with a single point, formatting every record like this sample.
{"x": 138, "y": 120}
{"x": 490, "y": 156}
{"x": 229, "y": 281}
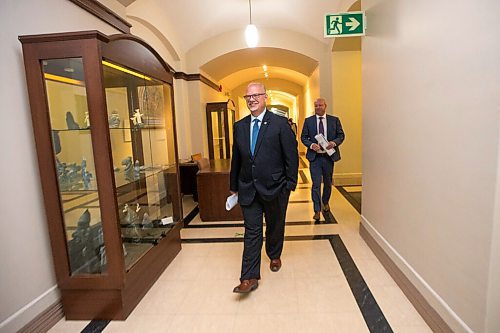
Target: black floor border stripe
{"x": 373, "y": 315}
{"x": 189, "y": 217}
{"x": 95, "y": 326}
{"x": 371, "y": 312}
{"x": 299, "y": 201}
{"x": 303, "y": 164}
{"x": 349, "y": 198}
{"x": 303, "y": 177}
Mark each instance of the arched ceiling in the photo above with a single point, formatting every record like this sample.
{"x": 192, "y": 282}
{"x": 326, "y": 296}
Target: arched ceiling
{"x": 235, "y": 61}
{"x": 257, "y": 73}
{"x": 193, "y": 21}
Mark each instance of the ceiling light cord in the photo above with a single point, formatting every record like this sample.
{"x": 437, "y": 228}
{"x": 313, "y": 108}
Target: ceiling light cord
{"x": 250, "y": 5}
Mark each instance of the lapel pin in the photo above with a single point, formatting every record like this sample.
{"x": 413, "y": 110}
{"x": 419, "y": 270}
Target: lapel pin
{"x": 265, "y": 123}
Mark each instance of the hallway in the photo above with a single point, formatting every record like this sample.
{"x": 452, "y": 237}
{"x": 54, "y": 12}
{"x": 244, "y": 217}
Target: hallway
{"x": 418, "y": 97}
{"x": 312, "y": 292}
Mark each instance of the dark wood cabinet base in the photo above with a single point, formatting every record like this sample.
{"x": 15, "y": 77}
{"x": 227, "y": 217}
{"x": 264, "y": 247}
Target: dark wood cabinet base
{"x": 118, "y": 304}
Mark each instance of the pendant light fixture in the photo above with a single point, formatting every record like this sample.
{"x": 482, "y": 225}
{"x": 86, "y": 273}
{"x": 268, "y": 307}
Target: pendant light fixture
{"x": 251, "y": 33}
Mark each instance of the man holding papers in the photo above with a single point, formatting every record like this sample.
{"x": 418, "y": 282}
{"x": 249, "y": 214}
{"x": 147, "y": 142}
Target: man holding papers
{"x": 264, "y": 168}
{"x": 322, "y": 134}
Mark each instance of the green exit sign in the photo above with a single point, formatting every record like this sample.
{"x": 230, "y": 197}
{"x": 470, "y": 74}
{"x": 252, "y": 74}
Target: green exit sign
{"x": 345, "y": 24}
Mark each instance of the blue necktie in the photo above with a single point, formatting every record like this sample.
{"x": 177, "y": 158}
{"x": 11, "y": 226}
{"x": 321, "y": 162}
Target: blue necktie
{"x": 255, "y": 134}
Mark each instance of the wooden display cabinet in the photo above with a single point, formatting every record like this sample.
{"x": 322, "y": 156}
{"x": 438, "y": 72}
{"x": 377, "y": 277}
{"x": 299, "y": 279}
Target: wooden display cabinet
{"x": 220, "y": 122}
{"x": 103, "y": 120}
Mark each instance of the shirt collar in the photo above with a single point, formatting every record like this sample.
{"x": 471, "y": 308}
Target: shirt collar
{"x": 317, "y": 117}
{"x": 260, "y": 117}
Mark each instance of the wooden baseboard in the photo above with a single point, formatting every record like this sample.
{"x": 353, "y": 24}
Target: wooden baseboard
{"x": 431, "y": 317}
{"x": 45, "y": 320}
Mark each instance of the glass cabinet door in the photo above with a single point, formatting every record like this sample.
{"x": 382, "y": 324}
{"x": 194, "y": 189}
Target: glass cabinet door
{"x": 140, "y": 119}
{"x": 74, "y": 159}
{"x": 220, "y": 121}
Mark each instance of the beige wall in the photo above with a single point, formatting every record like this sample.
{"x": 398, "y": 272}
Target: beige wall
{"x": 430, "y": 149}
{"x": 346, "y": 78}
{"x": 25, "y": 247}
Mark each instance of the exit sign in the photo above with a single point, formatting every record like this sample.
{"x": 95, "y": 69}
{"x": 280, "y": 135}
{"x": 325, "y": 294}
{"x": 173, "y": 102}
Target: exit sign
{"x": 345, "y": 24}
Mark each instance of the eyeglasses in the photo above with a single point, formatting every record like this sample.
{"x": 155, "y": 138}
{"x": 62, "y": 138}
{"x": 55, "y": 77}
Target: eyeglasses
{"x": 254, "y": 96}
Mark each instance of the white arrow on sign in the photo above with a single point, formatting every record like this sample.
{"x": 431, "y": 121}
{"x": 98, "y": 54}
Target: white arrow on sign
{"x": 353, "y": 24}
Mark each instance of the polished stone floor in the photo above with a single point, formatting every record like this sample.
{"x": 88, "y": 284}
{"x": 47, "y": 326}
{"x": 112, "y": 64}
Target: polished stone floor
{"x": 330, "y": 282}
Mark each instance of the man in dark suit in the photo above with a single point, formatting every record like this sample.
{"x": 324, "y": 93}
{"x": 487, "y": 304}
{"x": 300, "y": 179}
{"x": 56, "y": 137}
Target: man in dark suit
{"x": 320, "y": 163}
{"x": 264, "y": 170}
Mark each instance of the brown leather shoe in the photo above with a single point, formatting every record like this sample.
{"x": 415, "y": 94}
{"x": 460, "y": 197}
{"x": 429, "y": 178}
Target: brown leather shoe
{"x": 317, "y": 216}
{"x": 326, "y": 207}
{"x": 275, "y": 265}
{"x": 246, "y": 286}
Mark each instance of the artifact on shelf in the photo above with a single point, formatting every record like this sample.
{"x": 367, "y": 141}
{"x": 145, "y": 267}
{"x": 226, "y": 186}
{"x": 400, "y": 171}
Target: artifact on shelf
{"x": 129, "y": 215}
{"x": 114, "y": 119}
{"x": 137, "y": 169}
{"x": 131, "y": 219}
{"x": 146, "y": 221}
{"x": 68, "y": 176}
{"x": 81, "y": 233}
{"x": 86, "y": 175}
{"x": 56, "y": 141}
{"x": 128, "y": 168}
{"x": 86, "y": 120}
{"x": 70, "y": 121}
{"x": 137, "y": 118}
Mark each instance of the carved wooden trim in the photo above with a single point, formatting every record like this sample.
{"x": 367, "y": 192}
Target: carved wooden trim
{"x": 430, "y": 316}
{"x": 45, "y": 320}
{"x": 198, "y": 77}
{"x": 104, "y": 13}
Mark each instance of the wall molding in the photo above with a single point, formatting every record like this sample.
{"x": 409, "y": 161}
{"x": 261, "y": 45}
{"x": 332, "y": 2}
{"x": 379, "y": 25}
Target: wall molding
{"x": 403, "y": 274}
{"x": 45, "y": 320}
{"x": 198, "y": 77}
{"x": 39, "y": 314}
{"x": 104, "y": 13}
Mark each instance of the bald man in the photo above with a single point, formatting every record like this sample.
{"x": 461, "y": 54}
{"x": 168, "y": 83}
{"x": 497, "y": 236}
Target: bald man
{"x": 320, "y": 163}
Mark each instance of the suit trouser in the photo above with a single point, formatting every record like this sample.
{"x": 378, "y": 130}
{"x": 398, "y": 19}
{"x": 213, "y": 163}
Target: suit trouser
{"x": 275, "y": 213}
{"x": 321, "y": 168}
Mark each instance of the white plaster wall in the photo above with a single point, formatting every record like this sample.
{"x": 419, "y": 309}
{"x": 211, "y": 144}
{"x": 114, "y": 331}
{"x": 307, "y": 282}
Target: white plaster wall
{"x": 431, "y": 82}
{"x": 492, "y": 322}
{"x": 27, "y": 280}
{"x": 155, "y": 14}
{"x": 139, "y": 30}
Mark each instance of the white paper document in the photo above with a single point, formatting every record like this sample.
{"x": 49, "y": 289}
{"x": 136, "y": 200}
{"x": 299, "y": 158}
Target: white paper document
{"x": 323, "y": 143}
{"x": 231, "y": 201}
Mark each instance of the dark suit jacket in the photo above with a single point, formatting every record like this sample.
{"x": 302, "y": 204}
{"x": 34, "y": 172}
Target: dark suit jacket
{"x": 334, "y": 133}
{"x": 274, "y": 165}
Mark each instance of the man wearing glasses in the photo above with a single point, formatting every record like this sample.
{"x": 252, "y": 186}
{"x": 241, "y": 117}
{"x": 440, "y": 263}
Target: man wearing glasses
{"x": 264, "y": 169}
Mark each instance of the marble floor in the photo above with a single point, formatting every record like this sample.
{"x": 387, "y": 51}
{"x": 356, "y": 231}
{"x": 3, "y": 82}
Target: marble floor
{"x": 330, "y": 282}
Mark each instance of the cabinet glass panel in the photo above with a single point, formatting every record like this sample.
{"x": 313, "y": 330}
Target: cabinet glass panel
{"x": 74, "y": 159}
{"x": 140, "y": 122}
{"x": 218, "y": 130}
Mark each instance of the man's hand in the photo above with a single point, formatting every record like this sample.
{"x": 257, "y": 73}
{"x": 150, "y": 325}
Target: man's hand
{"x": 331, "y": 144}
{"x": 315, "y": 147}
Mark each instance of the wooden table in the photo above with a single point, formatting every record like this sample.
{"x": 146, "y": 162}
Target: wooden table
{"x": 213, "y": 190}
